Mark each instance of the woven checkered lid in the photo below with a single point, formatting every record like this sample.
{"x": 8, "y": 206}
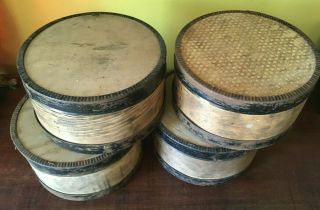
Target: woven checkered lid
{"x": 246, "y": 61}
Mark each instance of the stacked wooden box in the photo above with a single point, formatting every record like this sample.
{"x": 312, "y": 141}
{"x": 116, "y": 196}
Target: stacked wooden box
{"x": 95, "y": 85}
{"x": 95, "y": 89}
{"x": 241, "y": 80}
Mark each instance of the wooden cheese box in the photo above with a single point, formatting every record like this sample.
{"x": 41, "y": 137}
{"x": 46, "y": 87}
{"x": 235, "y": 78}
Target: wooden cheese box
{"x": 64, "y": 173}
{"x": 243, "y": 77}
{"x": 191, "y": 158}
{"x": 95, "y": 80}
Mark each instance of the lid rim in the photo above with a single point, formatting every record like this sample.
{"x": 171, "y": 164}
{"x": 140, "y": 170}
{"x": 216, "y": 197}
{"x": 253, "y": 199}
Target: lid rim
{"x": 94, "y": 104}
{"x": 257, "y": 107}
{"x": 196, "y": 151}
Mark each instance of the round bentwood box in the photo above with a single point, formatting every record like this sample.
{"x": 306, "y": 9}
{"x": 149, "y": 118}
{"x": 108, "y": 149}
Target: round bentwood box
{"x": 243, "y": 77}
{"x": 190, "y": 158}
{"x": 64, "y": 173}
{"x": 95, "y": 79}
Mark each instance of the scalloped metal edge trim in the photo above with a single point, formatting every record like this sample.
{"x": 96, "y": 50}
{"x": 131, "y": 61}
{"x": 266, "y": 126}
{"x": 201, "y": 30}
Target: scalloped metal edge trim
{"x": 197, "y": 151}
{"x": 94, "y": 104}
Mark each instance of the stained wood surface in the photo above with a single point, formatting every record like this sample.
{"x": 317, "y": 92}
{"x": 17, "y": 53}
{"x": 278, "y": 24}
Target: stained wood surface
{"x": 283, "y": 177}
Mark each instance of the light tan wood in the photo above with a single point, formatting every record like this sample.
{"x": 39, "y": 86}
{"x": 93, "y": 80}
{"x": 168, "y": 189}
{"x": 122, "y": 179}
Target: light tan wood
{"x": 233, "y": 125}
{"x": 104, "y": 128}
{"x": 170, "y": 120}
{"x": 201, "y": 169}
{"x": 35, "y": 139}
{"x": 93, "y": 182}
{"x": 92, "y": 55}
{"x": 246, "y": 54}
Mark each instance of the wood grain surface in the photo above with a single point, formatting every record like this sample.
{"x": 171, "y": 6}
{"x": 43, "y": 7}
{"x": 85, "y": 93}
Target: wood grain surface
{"x": 107, "y": 128}
{"x": 246, "y": 127}
{"x": 283, "y": 177}
{"x": 100, "y": 180}
{"x": 201, "y": 169}
{"x": 98, "y": 55}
